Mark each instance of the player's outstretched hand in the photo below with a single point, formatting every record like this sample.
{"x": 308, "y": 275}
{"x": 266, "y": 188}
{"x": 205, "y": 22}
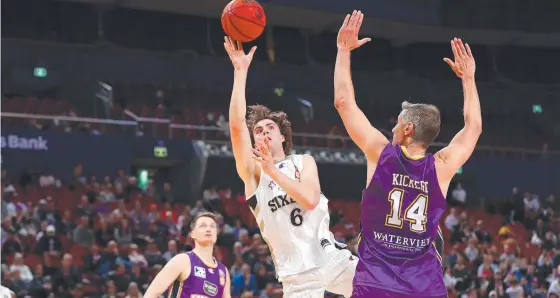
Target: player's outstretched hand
{"x": 239, "y": 59}
{"x": 263, "y": 154}
{"x": 464, "y": 65}
{"x": 348, "y": 34}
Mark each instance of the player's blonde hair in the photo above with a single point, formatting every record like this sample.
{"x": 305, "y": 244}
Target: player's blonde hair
{"x": 426, "y": 119}
{"x": 200, "y": 215}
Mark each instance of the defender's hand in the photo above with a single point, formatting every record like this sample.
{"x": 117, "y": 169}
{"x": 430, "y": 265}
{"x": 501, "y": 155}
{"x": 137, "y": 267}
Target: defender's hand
{"x": 348, "y": 34}
{"x": 239, "y": 59}
{"x": 464, "y": 65}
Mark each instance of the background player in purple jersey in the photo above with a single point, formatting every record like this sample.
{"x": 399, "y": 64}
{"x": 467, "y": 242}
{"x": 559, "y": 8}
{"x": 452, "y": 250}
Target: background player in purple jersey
{"x": 405, "y": 189}
{"x": 195, "y": 274}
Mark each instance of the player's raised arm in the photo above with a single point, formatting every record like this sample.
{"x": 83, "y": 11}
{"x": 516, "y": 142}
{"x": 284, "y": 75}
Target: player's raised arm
{"x": 174, "y": 269}
{"x": 452, "y": 157}
{"x": 370, "y": 140}
{"x": 240, "y": 137}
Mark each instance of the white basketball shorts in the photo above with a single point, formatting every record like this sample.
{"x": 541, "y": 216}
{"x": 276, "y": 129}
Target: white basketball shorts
{"x": 336, "y": 277}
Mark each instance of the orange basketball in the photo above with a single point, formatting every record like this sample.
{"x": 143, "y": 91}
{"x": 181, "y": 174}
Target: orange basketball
{"x": 243, "y": 20}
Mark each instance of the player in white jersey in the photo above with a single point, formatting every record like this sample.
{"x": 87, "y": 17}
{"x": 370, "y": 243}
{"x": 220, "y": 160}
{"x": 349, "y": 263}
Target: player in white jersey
{"x": 283, "y": 192}
{"x": 6, "y": 293}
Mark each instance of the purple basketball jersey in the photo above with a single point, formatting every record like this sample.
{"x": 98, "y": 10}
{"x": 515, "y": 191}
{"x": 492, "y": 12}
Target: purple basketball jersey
{"x": 205, "y": 280}
{"x": 401, "y": 209}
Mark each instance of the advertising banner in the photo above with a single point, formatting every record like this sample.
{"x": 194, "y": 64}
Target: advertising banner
{"x": 100, "y": 155}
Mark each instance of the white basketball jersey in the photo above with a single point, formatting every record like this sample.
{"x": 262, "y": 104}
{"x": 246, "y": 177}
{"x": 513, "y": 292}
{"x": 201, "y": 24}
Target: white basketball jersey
{"x": 298, "y": 239}
{"x": 6, "y": 293}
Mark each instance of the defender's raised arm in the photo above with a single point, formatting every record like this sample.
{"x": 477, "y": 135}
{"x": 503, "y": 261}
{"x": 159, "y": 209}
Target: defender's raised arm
{"x": 240, "y": 137}
{"x": 370, "y": 140}
{"x": 452, "y": 157}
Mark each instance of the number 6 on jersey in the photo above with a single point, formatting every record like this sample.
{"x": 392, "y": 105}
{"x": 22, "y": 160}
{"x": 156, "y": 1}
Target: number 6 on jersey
{"x": 416, "y": 213}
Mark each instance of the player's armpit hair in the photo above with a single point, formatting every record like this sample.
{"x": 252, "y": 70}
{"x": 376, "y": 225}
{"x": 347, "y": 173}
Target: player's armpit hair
{"x": 257, "y": 113}
{"x": 426, "y": 119}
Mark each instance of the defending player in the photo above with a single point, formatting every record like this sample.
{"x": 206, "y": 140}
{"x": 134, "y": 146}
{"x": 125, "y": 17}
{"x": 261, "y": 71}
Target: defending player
{"x": 405, "y": 190}
{"x": 283, "y": 192}
{"x": 195, "y": 273}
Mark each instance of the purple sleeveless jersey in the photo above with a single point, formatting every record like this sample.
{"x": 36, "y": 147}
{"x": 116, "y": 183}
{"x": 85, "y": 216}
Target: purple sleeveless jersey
{"x": 401, "y": 209}
{"x": 204, "y": 281}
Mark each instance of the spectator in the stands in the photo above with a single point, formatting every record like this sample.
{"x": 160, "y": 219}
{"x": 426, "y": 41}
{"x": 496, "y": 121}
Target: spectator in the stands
{"x": 555, "y": 285}
{"x": 171, "y": 250}
{"x": 41, "y": 285}
{"x": 96, "y": 261}
{"x": 153, "y": 254}
{"x": 48, "y": 211}
{"x": 481, "y": 234}
{"x": 449, "y": 280}
{"x": 236, "y": 268}
{"x": 26, "y": 225}
{"x": 12, "y": 243}
{"x": 167, "y": 193}
{"x": 84, "y": 207}
{"x": 462, "y": 273}
{"x": 121, "y": 180}
{"x": 123, "y": 231}
{"x": 167, "y": 212}
{"x": 209, "y": 196}
{"x": 136, "y": 257}
{"x": 487, "y": 268}
{"x": 459, "y": 195}
{"x": 50, "y": 243}
{"x": 46, "y": 179}
{"x": 515, "y": 290}
{"x": 15, "y": 283}
{"x": 111, "y": 290}
{"x": 24, "y": 273}
{"x": 238, "y": 229}
{"x": 472, "y": 250}
{"x": 262, "y": 278}
{"x": 105, "y": 193}
{"x": 451, "y": 221}
{"x": 133, "y": 291}
{"x": 184, "y": 220}
{"x": 83, "y": 234}
{"x": 210, "y": 119}
{"x": 199, "y": 207}
{"x": 139, "y": 277}
{"x": 138, "y": 217}
{"x": 509, "y": 252}
{"x": 68, "y": 275}
{"x": 150, "y": 190}
{"x": 66, "y": 225}
{"x": 532, "y": 203}
{"x": 243, "y": 281}
{"x": 121, "y": 278}
{"x": 223, "y": 124}
{"x": 15, "y": 206}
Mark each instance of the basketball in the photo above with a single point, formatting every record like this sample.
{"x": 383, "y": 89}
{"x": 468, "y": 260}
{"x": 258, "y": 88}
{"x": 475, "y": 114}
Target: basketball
{"x": 243, "y": 20}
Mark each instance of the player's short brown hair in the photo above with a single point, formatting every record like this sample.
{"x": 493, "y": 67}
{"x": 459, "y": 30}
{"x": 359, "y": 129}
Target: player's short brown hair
{"x": 260, "y": 112}
{"x": 426, "y": 119}
{"x": 201, "y": 215}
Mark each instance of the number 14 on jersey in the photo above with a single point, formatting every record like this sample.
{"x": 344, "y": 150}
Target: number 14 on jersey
{"x": 416, "y": 213}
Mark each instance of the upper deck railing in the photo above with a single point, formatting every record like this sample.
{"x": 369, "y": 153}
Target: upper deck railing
{"x": 164, "y": 128}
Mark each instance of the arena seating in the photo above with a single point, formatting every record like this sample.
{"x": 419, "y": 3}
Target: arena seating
{"x": 68, "y": 202}
{"x": 106, "y": 237}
